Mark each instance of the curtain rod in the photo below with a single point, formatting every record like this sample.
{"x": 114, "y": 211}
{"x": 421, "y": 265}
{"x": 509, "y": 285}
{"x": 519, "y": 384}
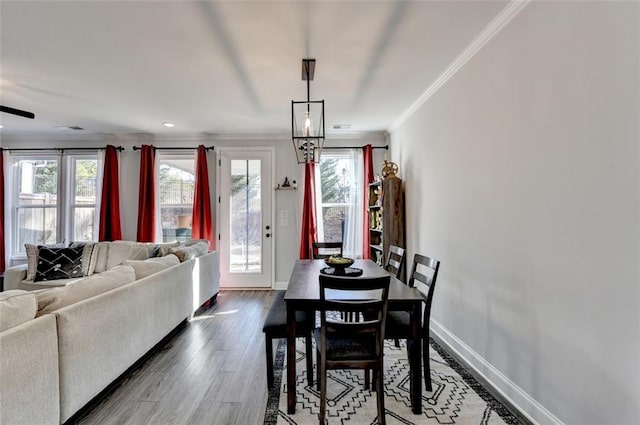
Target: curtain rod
{"x": 118, "y": 148}
{"x": 209, "y": 148}
{"x": 385, "y": 147}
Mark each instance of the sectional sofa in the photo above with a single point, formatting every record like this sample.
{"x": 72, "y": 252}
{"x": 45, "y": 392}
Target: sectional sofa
{"x": 62, "y": 346}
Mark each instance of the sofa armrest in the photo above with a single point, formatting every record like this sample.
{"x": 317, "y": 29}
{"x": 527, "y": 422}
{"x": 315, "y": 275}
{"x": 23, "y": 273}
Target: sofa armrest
{"x": 13, "y": 276}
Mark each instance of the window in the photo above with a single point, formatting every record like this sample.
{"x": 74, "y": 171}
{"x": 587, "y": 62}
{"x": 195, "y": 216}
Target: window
{"x": 177, "y": 184}
{"x": 340, "y": 199}
{"x": 40, "y": 214}
{"x": 84, "y": 172}
{"x": 36, "y": 209}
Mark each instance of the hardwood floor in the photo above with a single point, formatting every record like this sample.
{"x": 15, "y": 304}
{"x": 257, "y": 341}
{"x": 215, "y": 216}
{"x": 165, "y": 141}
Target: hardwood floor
{"x": 211, "y": 372}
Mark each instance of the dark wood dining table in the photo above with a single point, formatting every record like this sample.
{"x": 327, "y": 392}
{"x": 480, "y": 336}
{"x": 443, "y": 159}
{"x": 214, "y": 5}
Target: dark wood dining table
{"x": 303, "y": 293}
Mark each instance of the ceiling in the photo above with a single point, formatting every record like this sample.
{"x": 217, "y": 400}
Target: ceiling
{"x": 223, "y": 67}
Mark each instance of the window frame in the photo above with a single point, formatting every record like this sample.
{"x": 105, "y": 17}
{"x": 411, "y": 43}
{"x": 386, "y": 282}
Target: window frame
{"x": 65, "y": 183}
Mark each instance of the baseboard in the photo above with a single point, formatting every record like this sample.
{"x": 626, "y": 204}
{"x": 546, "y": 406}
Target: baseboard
{"x": 518, "y": 401}
{"x": 281, "y": 286}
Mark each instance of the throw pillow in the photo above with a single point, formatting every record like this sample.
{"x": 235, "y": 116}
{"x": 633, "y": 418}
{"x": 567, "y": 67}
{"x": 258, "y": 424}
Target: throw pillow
{"x": 32, "y": 258}
{"x": 185, "y": 253}
{"x": 59, "y": 263}
{"x": 89, "y": 256}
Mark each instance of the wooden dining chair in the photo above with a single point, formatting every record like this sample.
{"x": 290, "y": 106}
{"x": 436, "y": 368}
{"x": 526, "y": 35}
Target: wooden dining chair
{"x": 321, "y": 250}
{"x": 395, "y": 261}
{"x": 352, "y": 344}
{"x": 394, "y": 265}
{"x": 275, "y": 327}
{"x": 424, "y": 274}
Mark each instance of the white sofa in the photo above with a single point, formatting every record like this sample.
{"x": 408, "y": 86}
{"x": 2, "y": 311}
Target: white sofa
{"x": 53, "y": 364}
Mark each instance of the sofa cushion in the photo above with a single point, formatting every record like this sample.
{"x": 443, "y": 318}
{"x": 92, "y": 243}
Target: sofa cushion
{"x": 59, "y": 263}
{"x": 16, "y": 307}
{"x": 144, "y": 268}
{"x": 120, "y": 251}
{"x": 32, "y": 257}
{"x": 54, "y": 299}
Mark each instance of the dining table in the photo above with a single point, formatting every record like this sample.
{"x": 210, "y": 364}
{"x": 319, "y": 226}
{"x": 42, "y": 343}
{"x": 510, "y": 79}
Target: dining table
{"x": 303, "y": 294}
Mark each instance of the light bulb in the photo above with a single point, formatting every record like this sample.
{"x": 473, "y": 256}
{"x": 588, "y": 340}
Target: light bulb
{"x": 308, "y": 126}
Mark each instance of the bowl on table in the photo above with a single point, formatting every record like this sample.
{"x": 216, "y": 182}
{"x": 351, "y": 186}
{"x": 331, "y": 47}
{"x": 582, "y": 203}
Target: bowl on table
{"x": 338, "y": 263}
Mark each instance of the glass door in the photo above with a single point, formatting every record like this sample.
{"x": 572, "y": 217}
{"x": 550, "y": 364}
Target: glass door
{"x": 245, "y": 219}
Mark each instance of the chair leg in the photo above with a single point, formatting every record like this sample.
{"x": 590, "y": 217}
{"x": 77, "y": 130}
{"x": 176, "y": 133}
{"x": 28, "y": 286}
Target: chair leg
{"x": 269, "y": 346}
{"x": 426, "y": 365}
{"x": 397, "y": 342}
{"x": 309, "y": 354}
{"x": 367, "y": 380}
{"x": 318, "y": 377}
{"x": 380, "y": 395}
{"x": 323, "y": 390}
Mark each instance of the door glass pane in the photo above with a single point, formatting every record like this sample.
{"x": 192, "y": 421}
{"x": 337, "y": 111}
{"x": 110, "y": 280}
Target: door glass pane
{"x": 246, "y": 217}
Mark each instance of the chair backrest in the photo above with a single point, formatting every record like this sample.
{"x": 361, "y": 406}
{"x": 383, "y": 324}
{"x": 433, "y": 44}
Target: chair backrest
{"x": 365, "y": 298}
{"x": 395, "y": 261}
{"x": 424, "y": 274}
{"x": 326, "y": 249}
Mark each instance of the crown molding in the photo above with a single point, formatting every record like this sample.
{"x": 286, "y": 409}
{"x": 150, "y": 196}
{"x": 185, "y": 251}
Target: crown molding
{"x": 495, "y": 26}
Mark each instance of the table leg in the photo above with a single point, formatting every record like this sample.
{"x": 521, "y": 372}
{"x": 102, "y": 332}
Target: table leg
{"x": 291, "y": 359}
{"x": 415, "y": 359}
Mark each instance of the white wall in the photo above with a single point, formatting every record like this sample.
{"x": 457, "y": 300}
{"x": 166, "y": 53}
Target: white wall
{"x": 521, "y": 176}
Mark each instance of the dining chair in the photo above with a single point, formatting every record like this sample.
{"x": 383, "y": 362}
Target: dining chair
{"x": 424, "y": 274}
{"x": 352, "y": 344}
{"x": 394, "y": 264}
{"x": 395, "y": 261}
{"x": 275, "y": 327}
{"x": 321, "y": 250}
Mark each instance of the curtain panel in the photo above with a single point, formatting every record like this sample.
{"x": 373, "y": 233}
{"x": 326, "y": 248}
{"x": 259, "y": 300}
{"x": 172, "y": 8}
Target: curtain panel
{"x": 147, "y": 195}
{"x": 368, "y": 178}
{"x": 308, "y": 232}
{"x": 201, "y": 222}
{"x": 110, "y": 227}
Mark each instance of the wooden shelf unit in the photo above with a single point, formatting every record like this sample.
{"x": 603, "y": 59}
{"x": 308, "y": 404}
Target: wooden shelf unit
{"x": 386, "y": 217}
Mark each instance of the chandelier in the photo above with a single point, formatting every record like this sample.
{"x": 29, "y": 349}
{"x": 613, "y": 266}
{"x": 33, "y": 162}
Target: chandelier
{"x": 307, "y": 121}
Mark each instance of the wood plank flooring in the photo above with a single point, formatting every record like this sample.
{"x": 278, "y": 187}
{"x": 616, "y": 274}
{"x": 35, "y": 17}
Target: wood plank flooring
{"x": 211, "y": 372}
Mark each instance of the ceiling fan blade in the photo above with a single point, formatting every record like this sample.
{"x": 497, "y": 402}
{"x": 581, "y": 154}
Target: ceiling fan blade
{"x": 17, "y": 112}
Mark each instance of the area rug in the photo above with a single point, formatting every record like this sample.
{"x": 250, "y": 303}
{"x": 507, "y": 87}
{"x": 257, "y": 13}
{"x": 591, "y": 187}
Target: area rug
{"x": 457, "y": 398}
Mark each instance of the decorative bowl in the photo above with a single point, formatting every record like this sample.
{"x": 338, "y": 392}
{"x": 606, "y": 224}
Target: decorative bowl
{"x": 338, "y": 263}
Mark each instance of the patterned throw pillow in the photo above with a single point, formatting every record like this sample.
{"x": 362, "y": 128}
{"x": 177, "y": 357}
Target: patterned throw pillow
{"x": 32, "y": 258}
{"x": 59, "y": 263}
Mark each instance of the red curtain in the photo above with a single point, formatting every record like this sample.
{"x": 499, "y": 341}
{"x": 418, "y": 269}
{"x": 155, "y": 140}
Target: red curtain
{"x": 110, "y": 228}
{"x": 2, "y": 263}
{"x": 201, "y": 223}
{"x": 146, "y": 195}
{"x": 368, "y": 178}
{"x": 308, "y": 233}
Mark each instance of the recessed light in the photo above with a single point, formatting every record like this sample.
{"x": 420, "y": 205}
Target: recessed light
{"x": 168, "y": 124}
{"x": 1, "y": 126}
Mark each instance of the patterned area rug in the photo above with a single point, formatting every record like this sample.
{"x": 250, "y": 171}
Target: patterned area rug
{"x": 457, "y": 398}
